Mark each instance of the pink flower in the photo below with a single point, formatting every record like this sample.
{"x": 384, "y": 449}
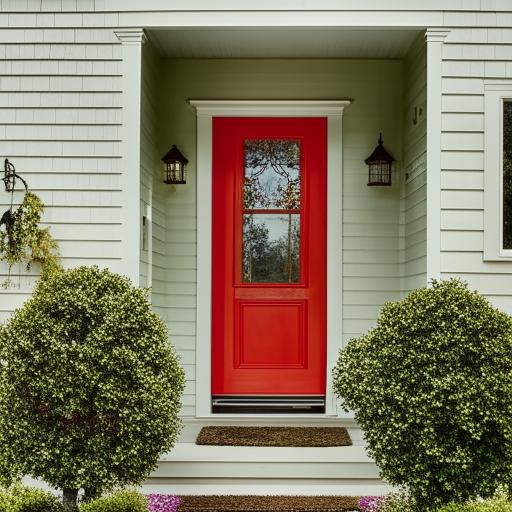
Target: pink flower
{"x": 163, "y": 503}
{"x": 371, "y": 503}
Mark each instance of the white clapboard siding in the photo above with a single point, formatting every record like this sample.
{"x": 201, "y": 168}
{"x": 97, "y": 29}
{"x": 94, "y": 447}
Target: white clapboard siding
{"x": 60, "y": 98}
{"x": 470, "y": 56}
{"x": 412, "y": 253}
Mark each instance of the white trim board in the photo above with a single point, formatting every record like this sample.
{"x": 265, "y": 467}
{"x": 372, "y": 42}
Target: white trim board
{"x": 206, "y": 110}
{"x": 434, "y": 38}
{"x": 495, "y": 92}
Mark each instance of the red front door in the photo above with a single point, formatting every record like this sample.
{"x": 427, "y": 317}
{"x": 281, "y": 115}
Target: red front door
{"x": 269, "y": 256}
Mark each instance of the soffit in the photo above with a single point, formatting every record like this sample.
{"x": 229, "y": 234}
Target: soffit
{"x": 283, "y": 43}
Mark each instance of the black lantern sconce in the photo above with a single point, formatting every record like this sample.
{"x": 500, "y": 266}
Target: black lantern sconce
{"x": 379, "y": 164}
{"x": 175, "y": 167}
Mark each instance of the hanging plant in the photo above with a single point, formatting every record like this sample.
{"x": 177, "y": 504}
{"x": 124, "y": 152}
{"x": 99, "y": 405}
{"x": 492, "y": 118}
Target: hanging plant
{"x": 24, "y": 240}
{"x": 21, "y": 238}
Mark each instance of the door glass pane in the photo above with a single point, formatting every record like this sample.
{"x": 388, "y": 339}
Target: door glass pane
{"x": 272, "y": 174}
{"x": 271, "y": 247}
{"x": 507, "y": 174}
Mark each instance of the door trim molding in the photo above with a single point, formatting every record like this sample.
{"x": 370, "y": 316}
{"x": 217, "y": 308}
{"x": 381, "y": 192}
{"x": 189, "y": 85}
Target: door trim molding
{"x": 206, "y": 110}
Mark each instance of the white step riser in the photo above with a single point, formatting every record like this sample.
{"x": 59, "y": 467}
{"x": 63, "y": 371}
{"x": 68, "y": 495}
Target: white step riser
{"x": 277, "y": 470}
{"x": 264, "y": 487}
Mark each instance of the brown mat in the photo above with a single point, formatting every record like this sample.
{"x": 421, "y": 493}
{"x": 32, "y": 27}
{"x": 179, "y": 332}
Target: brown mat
{"x": 271, "y": 503}
{"x": 274, "y": 436}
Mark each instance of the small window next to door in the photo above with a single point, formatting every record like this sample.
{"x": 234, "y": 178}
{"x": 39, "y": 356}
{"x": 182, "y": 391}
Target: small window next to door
{"x": 271, "y": 211}
{"x": 507, "y": 174}
{"x": 497, "y": 202}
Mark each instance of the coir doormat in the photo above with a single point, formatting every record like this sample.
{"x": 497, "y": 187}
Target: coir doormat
{"x": 274, "y": 436}
{"x": 268, "y": 503}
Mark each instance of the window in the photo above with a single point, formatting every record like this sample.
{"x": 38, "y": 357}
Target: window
{"x": 271, "y": 211}
{"x": 506, "y": 165}
{"x": 498, "y": 171}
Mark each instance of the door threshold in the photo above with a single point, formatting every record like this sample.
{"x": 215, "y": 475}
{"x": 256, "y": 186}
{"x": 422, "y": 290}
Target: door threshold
{"x": 264, "y": 404}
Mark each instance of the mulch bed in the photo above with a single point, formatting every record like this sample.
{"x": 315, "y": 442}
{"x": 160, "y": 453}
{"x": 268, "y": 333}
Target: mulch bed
{"x": 274, "y": 436}
{"x": 270, "y": 503}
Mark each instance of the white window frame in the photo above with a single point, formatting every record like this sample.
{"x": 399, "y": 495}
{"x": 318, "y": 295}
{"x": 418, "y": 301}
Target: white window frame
{"x": 206, "y": 110}
{"x": 496, "y": 92}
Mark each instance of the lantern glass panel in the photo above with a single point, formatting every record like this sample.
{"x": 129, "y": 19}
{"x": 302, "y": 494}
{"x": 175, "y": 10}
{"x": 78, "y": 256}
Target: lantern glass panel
{"x": 379, "y": 173}
{"x": 174, "y": 172}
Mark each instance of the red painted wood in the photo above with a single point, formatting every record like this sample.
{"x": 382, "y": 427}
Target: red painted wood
{"x": 268, "y": 338}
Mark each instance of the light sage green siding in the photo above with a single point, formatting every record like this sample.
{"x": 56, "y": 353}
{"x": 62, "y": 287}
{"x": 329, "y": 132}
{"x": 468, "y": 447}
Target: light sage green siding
{"x": 370, "y": 214}
{"x": 413, "y": 204}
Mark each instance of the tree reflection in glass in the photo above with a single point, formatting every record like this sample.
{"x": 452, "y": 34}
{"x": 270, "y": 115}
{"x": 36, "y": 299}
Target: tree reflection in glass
{"x": 271, "y": 211}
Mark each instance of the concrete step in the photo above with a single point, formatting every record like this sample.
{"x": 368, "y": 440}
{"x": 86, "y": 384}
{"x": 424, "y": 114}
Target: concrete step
{"x": 195, "y": 469}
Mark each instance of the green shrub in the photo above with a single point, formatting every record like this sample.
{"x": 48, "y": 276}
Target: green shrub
{"x": 19, "y": 498}
{"x": 431, "y": 387}
{"x": 27, "y": 499}
{"x": 90, "y": 387}
{"x": 498, "y": 503}
{"x": 121, "y": 501}
{"x": 5, "y": 501}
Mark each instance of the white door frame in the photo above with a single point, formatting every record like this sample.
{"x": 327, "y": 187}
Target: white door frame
{"x": 206, "y": 110}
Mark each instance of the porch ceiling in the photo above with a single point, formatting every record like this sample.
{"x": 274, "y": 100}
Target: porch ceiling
{"x": 283, "y": 42}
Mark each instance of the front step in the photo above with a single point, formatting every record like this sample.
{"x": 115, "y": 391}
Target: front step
{"x": 191, "y": 469}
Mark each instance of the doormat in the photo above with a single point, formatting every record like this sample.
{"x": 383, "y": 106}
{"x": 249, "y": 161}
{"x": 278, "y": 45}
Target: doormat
{"x": 274, "y": 436}
{"x": 270, "y": 503}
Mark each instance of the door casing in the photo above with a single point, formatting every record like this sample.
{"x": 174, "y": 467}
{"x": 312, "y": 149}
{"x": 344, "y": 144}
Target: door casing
{"x": 206, "y": 110}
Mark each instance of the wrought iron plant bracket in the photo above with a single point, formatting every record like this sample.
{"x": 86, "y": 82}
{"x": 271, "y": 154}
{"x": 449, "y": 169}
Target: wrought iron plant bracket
{"x": 9, "y": 179}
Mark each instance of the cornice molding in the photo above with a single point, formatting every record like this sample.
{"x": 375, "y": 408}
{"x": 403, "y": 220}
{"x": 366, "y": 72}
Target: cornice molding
{"x": 270, "y": 107}
{"x": 131, "y": 35}
{"x": 436, "y": 35}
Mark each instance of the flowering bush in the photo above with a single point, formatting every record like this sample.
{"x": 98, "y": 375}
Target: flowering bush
{"x": 370, "y": 503}
{"x": 431, "y": 387}
{"x": 398, "y": 501}
{"x": 163, "y": 503}
{"x": 90, "y": 388}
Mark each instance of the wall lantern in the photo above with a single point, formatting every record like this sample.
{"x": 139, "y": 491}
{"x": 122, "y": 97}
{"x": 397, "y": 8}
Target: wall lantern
{"x": 379, "y": 166}
{"x": 175, "y": 167}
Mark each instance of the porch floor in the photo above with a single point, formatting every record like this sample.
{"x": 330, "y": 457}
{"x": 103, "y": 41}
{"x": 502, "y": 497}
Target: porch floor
{"x": 193, "y": 469}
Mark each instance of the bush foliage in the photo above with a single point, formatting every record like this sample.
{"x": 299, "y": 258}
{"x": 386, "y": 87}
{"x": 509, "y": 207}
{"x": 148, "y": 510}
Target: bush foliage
{"x": 121, "y": 501}
{"x": 498, "y": 503}
{"x": 431, "y": 387}
{"x": 18, "y": 498}
{"x": 90, "y": 388}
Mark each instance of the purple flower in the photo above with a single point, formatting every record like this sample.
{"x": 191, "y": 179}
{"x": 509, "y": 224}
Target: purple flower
{"x": 371, "y": 503}
{"x": 163, "y": 503}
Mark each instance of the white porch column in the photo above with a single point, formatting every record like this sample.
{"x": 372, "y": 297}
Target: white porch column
{"x": 132, "y": 40}
{"x": 434, "y": 38}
